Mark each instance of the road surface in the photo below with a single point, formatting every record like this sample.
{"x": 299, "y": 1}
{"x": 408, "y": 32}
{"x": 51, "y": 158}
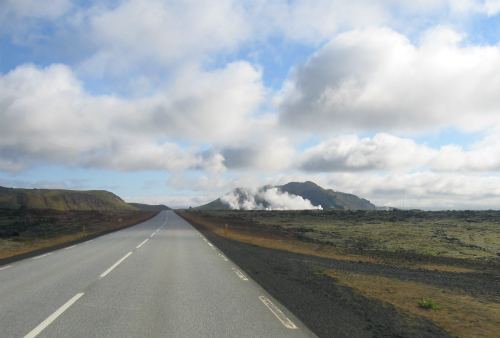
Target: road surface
{"x": 160, "y": 278}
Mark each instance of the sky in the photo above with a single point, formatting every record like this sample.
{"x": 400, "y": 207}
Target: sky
{"x": 178, "y": 102}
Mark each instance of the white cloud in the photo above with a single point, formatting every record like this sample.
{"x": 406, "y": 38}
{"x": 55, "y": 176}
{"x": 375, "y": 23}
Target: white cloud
{"x": 33, "y": 8}
{"x": 389, "y": 153}
{"x": 272, "y": 153}
{"x": 48, "y": 117}
{"x": 426, "y": 190}
{"x": 382, "y": 152}
{"x": 491, "y": 7}
{"x": 482, "y": 156}
{"x": 162, "y": 33}
{"x": 376, "y": 79}
{"x": 488, "y": 7}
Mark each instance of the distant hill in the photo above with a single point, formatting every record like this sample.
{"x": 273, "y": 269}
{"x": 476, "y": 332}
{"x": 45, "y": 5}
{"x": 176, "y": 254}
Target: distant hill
{"x": 327, "y": 198}
{"x": 58, "y": 199}
{"x": 149, "y": 207}
{"x": 214, "y": 205}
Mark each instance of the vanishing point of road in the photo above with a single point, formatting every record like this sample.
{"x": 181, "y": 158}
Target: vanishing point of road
{"x": 160, "y": 278}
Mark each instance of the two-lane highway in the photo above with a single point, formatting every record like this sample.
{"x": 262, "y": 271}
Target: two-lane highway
{"x": 160, "y": 278}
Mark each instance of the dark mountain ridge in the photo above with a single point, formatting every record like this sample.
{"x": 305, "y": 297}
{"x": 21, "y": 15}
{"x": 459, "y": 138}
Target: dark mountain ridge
{"x": 327, "y": 198}
{"x": 65, "y": 200}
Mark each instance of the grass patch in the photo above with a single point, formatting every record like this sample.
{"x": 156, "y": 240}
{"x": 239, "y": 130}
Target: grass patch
{"x": 429, "y": 304}
{"x": 276, "y": 242}
{"x": 255, "y": 227}
{"x": 461, "y": 315}
{"x": 456, "y": 234}
{"x": 23, "y": 231}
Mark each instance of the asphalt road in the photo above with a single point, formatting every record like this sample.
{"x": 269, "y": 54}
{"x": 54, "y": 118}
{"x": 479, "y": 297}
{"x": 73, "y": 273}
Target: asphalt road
{"x": 160, "y": 278}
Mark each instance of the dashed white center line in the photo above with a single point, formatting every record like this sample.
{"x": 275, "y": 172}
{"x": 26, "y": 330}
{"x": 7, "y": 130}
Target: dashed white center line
{"x": 41, "y": 256}
{"x": 5, "y": 267}
{"x": 70, "y": 247}
{"x": 102, "y": 275}
{"x": 142, "y": 243}
{"x": 278, "y": 313}
{"x": 240, "y": 274}
{"x": 37, "y": 330}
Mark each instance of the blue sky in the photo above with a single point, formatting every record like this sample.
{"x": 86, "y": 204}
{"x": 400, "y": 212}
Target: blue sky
{"x": 160, "y": 102}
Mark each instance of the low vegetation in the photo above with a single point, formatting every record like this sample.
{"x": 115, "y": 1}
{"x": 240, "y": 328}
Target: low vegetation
{"x": 442, "y": 266}
{"x": 458, "y": 313}
{"x": 454, "y": 234}
{"x": 58, "y": 199}
{"x": 32, "y": 219}
{"x": 429, "y": 304}
{"x": 23, "y": 231}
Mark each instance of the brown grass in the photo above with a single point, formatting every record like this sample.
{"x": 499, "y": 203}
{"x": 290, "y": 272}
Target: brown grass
{"x": 459, "y": 314}
{"x": 273, "y": 241}
{"x": 444, "y": 268}
{"x": 18, "y": 246}
{"x": 13, "y": 248}
{"x": 279, "y": 243}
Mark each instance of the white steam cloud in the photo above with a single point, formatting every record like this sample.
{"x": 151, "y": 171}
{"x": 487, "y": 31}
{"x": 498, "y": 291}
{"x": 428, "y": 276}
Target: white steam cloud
{"x": 266, "y": 198}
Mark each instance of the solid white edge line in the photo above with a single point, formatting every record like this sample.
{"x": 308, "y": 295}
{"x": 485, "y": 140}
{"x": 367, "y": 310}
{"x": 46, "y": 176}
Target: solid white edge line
{"x": 153, "y": 234}
{"x": 44, "y": 255}
{"x": 240, "y": 274}
{"x": 278, "y": 313}
{"x": 222, "y": 256}
{"x": 142, "y": 243}
{"x": 37, "y": 330}
{"x": 102, "y": 275}
{"x": 5, "y": 267}
{"x": 70, "y": 247}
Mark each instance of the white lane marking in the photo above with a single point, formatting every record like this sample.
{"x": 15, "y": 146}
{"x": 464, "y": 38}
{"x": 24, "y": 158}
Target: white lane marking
{"x": 41, "y": 256}
{"x": 37, "y": 330}
{"x": 223, "y": 257}
{"x": 240, "y": 274}
{"x": 102, "y": 275}
{"x": 278, "y": 313}
{"x": 70, "y": 247}
{"x": 90, "y": 240}
{"x": 142, "y": 243}
{"x": 5, "y": 267}
{"x": 153, "y": 234}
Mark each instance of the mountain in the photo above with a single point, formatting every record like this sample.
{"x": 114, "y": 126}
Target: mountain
{"x": 318, "y": 196}
{"x": 327, "y": 198}
{"x": 214, "y": 205}
{"x": 149, "y": 207}
{"x": 58, "y": 199}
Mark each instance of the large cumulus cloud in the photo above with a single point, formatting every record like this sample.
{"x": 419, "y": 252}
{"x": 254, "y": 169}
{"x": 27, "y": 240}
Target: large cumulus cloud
{"x": 47, "y": 116}
{"x": 377, "y": 79}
